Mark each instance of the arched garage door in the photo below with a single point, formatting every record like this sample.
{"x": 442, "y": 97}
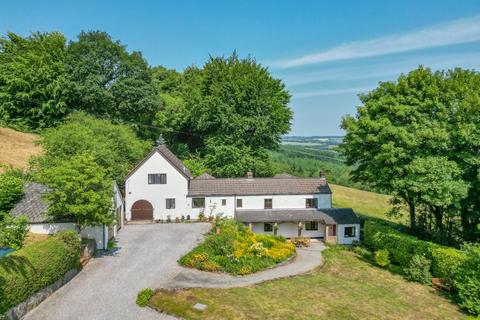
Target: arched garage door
{"x": 142, "y": 210}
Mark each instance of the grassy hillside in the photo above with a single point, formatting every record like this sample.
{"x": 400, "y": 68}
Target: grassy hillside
{"x": 364, "y": 202}
{"x": 16, "y": 148}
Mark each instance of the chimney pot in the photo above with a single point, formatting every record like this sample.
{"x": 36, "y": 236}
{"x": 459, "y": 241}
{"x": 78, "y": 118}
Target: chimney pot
{"x": 322, "y": 174}
{"x": 250, "y": 175}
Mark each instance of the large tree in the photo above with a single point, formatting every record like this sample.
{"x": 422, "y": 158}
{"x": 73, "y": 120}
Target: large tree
{"x": 228, "y": 103}
{"x": 110, "y": 82}
{"x": 114, "y": 147}
{"x": 418, "y": 139}
{"x": 34, "y": 86}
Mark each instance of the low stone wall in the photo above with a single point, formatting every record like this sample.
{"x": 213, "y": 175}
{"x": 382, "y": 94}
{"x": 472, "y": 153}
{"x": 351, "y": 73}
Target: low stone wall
{"x": 19, "y": 311}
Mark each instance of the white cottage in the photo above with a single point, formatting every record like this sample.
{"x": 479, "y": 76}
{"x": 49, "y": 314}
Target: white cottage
{"x": 160, "y": 187}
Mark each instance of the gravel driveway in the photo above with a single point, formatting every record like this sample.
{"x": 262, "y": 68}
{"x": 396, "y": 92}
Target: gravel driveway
{"x": 107, "y": 287}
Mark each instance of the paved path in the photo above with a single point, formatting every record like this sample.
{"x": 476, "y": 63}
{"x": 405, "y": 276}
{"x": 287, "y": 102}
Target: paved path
{"x": 107, "y": 287}
{"x": 305, "y": 260}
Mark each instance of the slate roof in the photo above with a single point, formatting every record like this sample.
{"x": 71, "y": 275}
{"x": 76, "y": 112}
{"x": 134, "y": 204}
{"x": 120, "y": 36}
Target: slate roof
{"x": 169, "y": 156}
{"x": 257, "y": 186}
{"x": 325, "y": 216}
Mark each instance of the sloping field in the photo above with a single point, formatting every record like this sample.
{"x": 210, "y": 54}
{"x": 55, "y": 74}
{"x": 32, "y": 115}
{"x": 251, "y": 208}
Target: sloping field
{"x": 16, "y": 148}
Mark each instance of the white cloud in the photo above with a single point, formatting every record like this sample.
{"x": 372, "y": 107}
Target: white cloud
{"x": 455, "y": 32}
{"x": 307, "y": 94}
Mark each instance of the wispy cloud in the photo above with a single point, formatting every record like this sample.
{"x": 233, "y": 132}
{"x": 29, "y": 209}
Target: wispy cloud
{"x": 455, "y": 32}
{"x": 328, "y": 92}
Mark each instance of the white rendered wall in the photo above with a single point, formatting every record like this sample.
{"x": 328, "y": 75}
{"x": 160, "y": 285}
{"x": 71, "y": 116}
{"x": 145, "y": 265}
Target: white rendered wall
{"x": 341, "y": 233}
{"x": 137, "y": 188}
{"x": 88, "y": 232}
{"x": 289, "y": 230}
{"x": 285, "y": 201}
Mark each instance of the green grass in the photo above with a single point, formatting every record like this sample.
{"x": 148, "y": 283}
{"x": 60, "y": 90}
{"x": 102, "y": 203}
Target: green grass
{"x": 346, "y": 287}
{"x": 365, "y": 203}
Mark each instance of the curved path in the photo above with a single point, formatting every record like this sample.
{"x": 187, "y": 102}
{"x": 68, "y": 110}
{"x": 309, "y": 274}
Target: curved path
{"x": 305, "y": 260}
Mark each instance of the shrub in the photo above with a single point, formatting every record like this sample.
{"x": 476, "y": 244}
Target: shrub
{"x": 446, "y": 261}
{"x": 362, "y": 251}
{"x": 382, "y": 257}
{"x": 11, "y": 190}
{"x": 301, "y": 241}
{"x": 467, "y": 280}
{"x": 35, "y": 266}
{"x": 237, "y": 250}
{"x": 418, "y": 270}
{"x": 144, "y": 296}
{"x": 13, "y": 231}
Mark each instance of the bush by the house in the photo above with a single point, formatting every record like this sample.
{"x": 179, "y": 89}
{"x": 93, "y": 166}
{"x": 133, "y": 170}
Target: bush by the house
{"x": 35, "y": 266}
{"x": 11, "y": 190}
{"x": 237, "y": 250}
{"x": 382, "y": 257}
{"x": 467, "y": 280}
{"x": 446, "y": 261}
{"x": 419, "y": 270}
{"x": 13, "y": 231}
{"x": 144, "y": 296}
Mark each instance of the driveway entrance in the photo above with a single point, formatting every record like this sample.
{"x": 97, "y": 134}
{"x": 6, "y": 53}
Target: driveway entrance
{"x": 107, "y": 287}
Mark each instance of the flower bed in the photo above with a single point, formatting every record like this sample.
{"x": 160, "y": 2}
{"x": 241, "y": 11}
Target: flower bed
{"x": 237, "y": 250}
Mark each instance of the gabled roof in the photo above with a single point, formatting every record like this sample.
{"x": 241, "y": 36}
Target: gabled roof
{"x": 257, "y": 186}
{"x": 284, "y": 175}
{"x": 205, "y": 176}
{"x": 32, "y": 205}
{"x": 326, "y": 216}
{"x": 169, "y": 156}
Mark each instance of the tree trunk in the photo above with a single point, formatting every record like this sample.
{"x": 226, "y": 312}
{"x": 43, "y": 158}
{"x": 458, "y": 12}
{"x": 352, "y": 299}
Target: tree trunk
{"x": 411, "y": 209}
{"x": 438, "y": 214}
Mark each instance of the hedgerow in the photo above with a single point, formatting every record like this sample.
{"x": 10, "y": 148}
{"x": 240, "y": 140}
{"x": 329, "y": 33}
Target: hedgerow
{"x": 36, "y": 266}
{"x": 237, "y": 250}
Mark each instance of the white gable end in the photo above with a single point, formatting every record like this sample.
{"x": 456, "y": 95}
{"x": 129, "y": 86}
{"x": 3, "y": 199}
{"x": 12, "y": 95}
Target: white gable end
{"x": 137, "y": 188}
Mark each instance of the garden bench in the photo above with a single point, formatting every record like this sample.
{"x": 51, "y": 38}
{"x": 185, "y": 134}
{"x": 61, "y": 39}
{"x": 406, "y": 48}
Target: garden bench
{"x": 443, "y": 284}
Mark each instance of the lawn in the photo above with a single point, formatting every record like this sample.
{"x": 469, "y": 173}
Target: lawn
{"x": 346, "y": 287}
{"x": 364, "y": 203}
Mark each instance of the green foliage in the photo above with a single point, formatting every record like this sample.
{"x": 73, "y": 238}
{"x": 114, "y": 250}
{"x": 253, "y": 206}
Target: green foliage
{"x": 229, "y": 105}
{"x": 195, "y": 165}
{"x": 11, "y": 191}
{"x": 80, "y": 188}
{"x": 144, "y": 296}
{"x": 402, "y": 247}
{"x": 382, "y": 257}
{"x": 446, "y": 261}
{"x": 33, "y": 80}
{"x": 108, "y": 81}
{"x": 114, "y": 147}
{"x": 237, "y": 250}
{"x": 13, "y": 231}
{"x": 419, "y": 139}
{"x": 35, "y": 266}
{"x": 418, "y": 270}
{"x": 467, "y": 280}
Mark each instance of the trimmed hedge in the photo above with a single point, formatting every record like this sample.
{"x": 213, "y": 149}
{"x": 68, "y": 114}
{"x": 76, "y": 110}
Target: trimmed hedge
{"x": 36, "y": 266}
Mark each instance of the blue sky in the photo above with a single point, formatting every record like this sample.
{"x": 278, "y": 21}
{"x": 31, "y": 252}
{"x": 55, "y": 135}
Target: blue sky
{"x": 325, "y": 51}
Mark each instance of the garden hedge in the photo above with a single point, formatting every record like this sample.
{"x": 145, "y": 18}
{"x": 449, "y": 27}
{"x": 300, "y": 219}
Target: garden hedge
{"x": 36, "y": 266}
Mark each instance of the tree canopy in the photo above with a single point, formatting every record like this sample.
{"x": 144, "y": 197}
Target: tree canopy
{"x": 419, "y": 139}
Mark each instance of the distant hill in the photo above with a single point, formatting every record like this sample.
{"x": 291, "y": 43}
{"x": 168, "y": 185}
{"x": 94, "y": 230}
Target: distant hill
{"x": 16, "y": 148}
{"x": 318, "y": 142}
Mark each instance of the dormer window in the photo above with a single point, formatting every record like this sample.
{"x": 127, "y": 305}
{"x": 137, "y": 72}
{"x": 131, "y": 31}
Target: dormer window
{"x": 157, "y": 178}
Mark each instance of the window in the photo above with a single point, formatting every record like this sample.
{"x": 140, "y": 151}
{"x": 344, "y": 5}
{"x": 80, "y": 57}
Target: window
{"x": 267, "y": 203}
{"x": 267, "y": 227}
{"x": 170, "y": 203}
{"x": 239, "y": 203}
{"x": 311, "y": 225}
{"x": 349, "y": 232}
{"x": 157, "y": 178}
{"x": 311, "y": 203}
{"x": 198, "y": 202}
{"x": 224, "y": 202}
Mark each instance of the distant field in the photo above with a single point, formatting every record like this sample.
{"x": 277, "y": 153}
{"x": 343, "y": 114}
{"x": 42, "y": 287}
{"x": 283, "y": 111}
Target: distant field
{"x": 364, "y": 202}
{"x": 16, "y": 148}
